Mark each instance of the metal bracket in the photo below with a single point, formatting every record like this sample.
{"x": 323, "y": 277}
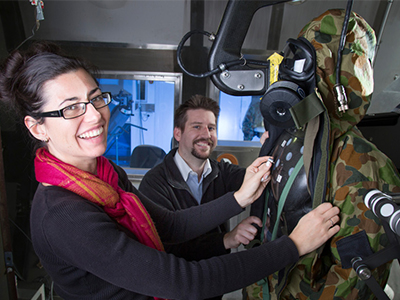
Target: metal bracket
{"x": 244, "y": 80}
{"x": 9, "y": 262}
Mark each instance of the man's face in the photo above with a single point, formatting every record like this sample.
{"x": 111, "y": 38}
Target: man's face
{"x": 199, "y": 138}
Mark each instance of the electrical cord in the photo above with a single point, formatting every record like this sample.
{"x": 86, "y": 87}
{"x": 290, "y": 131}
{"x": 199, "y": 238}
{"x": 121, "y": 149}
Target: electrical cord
{"x": 20, "y": 229}
{"x": 222, "y": 67}
{"x": 34, "y": 29}
{"x": 339, "y": 92}
{"x": 343, "y": 39}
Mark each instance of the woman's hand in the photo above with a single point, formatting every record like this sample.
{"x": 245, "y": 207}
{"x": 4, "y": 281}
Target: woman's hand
{"x": 315, "y": 228}
{"x": 256, "y": 179}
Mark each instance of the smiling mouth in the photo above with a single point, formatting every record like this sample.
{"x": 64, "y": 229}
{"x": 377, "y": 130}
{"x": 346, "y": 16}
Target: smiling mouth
{"x": 91, "y": 134}
{"x": 203, "y": 143}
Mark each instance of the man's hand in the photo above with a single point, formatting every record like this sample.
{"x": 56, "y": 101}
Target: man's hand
{"x": 243, "y": 233}
{"x": 256, "y": 179}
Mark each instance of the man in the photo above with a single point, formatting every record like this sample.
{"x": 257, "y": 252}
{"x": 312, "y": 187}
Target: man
{"x": 188, "y": 177}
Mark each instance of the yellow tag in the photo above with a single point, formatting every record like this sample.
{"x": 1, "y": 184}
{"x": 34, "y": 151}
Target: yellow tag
{"x": 274, "y": 62}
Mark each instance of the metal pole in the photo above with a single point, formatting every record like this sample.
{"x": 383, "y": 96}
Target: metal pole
{"x": 382, "y": 28}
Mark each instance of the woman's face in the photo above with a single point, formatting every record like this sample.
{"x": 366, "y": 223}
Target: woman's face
{"x": 75, "y": 141}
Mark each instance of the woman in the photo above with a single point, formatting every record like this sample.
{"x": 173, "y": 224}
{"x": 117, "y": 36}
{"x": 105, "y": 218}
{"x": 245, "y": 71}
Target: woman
{"x": 95, "y": 234}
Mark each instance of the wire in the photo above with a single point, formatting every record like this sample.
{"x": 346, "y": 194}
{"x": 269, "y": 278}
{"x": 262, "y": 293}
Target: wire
{"x": 258, "y": 63}
{"x": 343, "y": 39}
{"x": 31, "y": 36}
{"x": 220, "y": 68}
{"x": 20, "y": 229}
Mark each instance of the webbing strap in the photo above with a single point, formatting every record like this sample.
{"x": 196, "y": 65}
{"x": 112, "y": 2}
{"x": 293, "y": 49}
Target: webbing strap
{"x": 264, "y": 282}
{"x": 310, "y": 136}
{"x": 265, "y": 215}
{"x": 306, "y": 110}
{"x": 321, "y": 167}
{"x": 281, "y": 204}
{"x": 311, "y": 111}
{"x": 283, "y": 197}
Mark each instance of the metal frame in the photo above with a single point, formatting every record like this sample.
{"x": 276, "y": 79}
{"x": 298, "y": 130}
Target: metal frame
{"x": 177, "y": 78}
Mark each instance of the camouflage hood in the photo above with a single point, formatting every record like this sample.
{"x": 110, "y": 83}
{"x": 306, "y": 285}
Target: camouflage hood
{"x": 356, "y": 73}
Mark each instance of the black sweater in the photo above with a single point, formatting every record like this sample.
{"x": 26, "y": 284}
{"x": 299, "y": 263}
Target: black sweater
{"x": 89, "y": 256}
{"x": 165, "y": 185}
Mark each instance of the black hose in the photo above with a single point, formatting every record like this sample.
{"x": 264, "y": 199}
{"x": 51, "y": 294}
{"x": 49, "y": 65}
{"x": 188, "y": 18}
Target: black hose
{"x": 343, "y": 39}
{"x": 220, "y": 68}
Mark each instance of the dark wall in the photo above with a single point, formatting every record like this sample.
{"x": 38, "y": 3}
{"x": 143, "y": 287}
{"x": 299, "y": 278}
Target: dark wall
{"x": 12, "y": 25}
{"x": 16, "y": 146}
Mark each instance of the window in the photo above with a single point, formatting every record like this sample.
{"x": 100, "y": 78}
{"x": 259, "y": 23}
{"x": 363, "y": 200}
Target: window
{"x": 240, "y": 119}
{"x": 236, "y": 143}
{"x": 142, "y": 111}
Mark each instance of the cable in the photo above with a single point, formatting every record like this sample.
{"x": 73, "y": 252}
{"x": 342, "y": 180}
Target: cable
{"x": 38, "y": 16}
{"x": 220, "y": 68}
{"x": 339, "y": 92}
{"x": 343, "y": 39}
{"x": 20, "y": 229}
{"x": 31, "y": 36}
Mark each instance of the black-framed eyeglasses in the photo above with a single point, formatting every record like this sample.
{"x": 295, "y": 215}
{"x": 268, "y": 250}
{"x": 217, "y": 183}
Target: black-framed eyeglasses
{"x": 79, "y": 109}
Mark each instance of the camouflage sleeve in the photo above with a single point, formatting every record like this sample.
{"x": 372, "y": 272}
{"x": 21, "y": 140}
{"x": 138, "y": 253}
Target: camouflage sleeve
{"x": 358, "y": 168}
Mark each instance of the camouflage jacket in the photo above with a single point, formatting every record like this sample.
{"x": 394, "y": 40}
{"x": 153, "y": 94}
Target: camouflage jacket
{"x": 355, "y": 166}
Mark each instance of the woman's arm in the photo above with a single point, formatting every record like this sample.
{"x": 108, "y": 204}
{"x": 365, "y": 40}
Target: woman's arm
{"x": 83, "y": 236}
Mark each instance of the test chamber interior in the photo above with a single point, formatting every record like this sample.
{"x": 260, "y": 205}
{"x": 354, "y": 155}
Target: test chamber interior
{"x": 142, "y": 110}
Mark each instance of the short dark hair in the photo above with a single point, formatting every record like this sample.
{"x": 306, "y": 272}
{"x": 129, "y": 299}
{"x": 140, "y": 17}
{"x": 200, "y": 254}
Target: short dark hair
{"x": 195, "y": 102}
{"x": 24, "y": 73}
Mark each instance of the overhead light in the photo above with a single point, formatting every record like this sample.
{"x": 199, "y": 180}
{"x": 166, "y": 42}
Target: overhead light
{"x": 296, "y": 2}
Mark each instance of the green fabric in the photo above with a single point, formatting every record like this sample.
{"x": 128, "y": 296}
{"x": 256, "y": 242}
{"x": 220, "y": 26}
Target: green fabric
{"x": 307, "y": 109}
{"x": 283, "y": 197}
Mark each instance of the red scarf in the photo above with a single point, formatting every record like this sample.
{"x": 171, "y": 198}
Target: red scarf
{"x": 103, "y": 190}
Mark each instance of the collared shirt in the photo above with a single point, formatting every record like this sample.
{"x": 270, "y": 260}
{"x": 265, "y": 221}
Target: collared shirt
{"x": 191, "y": 177}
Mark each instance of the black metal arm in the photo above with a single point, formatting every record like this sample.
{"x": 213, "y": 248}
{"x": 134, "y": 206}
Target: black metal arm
{"x": 240, "y": 79}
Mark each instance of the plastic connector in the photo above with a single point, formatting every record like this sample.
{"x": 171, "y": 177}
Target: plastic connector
{"x": 39, "y": 9}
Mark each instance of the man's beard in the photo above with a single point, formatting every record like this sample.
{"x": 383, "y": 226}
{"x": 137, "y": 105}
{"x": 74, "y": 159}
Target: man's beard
{"x": 202, "y": 155}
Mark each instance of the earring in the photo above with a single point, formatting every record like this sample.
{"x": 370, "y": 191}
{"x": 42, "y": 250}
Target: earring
{"x": 46, "y": 140}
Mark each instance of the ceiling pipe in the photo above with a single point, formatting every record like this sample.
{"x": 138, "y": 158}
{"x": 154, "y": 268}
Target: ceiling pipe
{"x": 382, "y": 28}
